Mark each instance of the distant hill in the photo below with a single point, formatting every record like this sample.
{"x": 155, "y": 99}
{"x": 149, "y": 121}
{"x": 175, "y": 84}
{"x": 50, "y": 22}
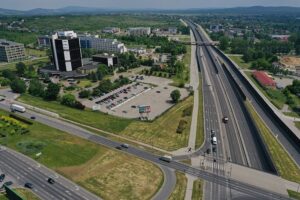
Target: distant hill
{"x": 88, "y": 10}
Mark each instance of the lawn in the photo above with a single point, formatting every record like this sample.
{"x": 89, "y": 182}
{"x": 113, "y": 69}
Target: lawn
{"x": 197, "y": 190}
{"x": 85, "y": 83}
{"x": 180, "y": 187}
{"x": 12, "y": 66}
{"x": 285, "y": 166}
{"x": 95, "y": 119}
{"x": 88, "y": 164}
{"x": 294, "y": 195}
{"x": 276, "y": 97}
{"x": 26, "y": 194}
{"x": 35, "y": 52}
{"x": 239, "y": 61}
{"x": 162, "y": 131}
{"x": 200, "y": 123}
{"x": 297, "y": 125}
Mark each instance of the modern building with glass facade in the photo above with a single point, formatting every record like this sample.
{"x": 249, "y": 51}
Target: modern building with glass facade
{"x": 11, "y": 51}
{"x": 66, "y": 51}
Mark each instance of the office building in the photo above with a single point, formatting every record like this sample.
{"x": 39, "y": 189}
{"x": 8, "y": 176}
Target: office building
{"x": 11, "y": 51}
{"x": 139, "y": 31}
{"x": 111, "y": 30}
{"x": 66, "y": 51}
{"x": 44, "y": 41}
{"x": 102, "y": 44}
{"x": 109, "y": 60}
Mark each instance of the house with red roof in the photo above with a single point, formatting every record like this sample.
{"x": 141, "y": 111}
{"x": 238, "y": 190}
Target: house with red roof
{"x": 264, "y": 79}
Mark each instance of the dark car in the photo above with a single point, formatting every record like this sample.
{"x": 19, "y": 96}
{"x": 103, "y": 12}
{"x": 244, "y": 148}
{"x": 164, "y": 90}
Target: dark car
{"x": 32, "y": 117}
{"x": 213, "y": 133}
{"x": 208, "y": 151}
{"x": 214, "y": 149}
{"x": 225, "y": 119}
{"x": 51, "y": 181}
{"x": 119, "y": 147}
{"x": 28, "y": 185}
{"x": 2, "y": 177}
{"x": 8, "y": 183}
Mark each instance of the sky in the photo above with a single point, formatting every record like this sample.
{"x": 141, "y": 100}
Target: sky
{"x": 135, "y": 4}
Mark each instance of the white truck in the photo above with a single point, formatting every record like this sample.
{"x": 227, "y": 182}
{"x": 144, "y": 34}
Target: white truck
{"x": 15, "y": 107}
{"x": 166, "y": 158}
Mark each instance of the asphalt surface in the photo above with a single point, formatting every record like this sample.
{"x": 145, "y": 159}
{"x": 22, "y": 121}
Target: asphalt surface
{"x": 206, "y": 175}
{"x": 282, "y": 135}
{"x": 243, "y": 137}
{"x": 25, "y": 170}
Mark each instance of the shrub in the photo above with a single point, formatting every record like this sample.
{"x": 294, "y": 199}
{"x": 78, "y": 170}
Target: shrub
{"x": 181, "y": 126}
{"x": 188, "y": 111}
{"x": 84, "y": 94}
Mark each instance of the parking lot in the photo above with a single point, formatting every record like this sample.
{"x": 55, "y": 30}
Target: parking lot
{"x": 145, "y": 91}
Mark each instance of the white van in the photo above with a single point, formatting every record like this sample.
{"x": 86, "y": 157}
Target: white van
{"x": 214, "y": 140}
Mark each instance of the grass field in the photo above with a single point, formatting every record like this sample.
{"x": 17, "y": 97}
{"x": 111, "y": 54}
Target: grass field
{"x": 35, "y": 52}
{"x": 162, "y": 132}
{"x": 285, "y": 166}
{"x": 12, "y": 66}
{"x": 297, "y": 125}
{"x": 197, "y": 190}
{"x": 200, "y": 120}
{"x": 26, "y": 194}
{"x": 275, "y": 96}
{"x": 95, "y": 119}
{"x": 294, "y": 195}
{"x": 100, "y": 170}
{"x": 180, "y": 187}
{"x": 239, "y": 61}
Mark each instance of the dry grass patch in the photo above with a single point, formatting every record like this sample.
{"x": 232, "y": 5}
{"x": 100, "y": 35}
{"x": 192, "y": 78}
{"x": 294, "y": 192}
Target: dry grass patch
{"x": 162, "y": 132}
{"x": 180, "y": 188}
{"x": 113, "y": 175}
{"x": 26, "y": 194}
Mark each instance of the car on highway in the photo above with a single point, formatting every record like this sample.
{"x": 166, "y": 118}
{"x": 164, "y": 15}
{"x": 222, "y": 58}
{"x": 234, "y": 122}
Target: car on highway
{"x": 166, "y": 158}
{"x": 28, "y": 185}
{"x": 212, "y": 133}
{"x": 119, "y": 147}
{"x": 2, "y": 177}
{"x": 32, "y": 117}
{"x": 214, "y": 149}
{"x": 51, "y": 181}
{"x": 208, "y": 151}
{"x": 126, "y": 146}
{"x": 225, "y": 120}
{"x": 214, "y": 140}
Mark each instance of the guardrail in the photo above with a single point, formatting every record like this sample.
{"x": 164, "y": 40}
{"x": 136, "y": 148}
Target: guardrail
{"x": 284, "y": 128}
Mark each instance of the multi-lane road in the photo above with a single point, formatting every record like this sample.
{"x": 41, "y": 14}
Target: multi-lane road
{"x": 206, "y": 175}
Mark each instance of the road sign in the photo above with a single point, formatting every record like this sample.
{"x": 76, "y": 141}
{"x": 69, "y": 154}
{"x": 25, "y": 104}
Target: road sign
{"x": 144, "y": 109}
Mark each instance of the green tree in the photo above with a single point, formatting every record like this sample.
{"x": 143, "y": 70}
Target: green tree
{"x": 52, "y": 91}
{"x": 4, "y": 81}
{"x": 7, "y": 73}
{"x": 175, "y": 95}
{"x": 68, "y": 100}
{"x": 18, "y": 86}
{"x": 224, "y": 43}
{"x": 84, "y": 94}
{"x": 21, "y": 68}
{"x": 36, "y": 88}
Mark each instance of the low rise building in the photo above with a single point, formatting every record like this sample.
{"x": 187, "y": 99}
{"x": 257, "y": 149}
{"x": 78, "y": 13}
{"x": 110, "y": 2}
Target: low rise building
{"x": 11, "y": 51}
{"x": 139, "y": 31}
{"x": 44, "y": 41}
{"x": 111, "y": 30}
{"x": 109, "y": 60}
{"x": 102, "y": 44}
{"x": 264, "y": 79}
{"x": 216, "y": 27}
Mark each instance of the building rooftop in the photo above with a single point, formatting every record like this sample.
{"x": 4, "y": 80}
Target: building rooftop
{"x": 4, "y": 42}
{"x": 263, "y": 78}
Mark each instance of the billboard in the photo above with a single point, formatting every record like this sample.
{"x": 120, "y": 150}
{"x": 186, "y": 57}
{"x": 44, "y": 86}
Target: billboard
{"x": 144, "y": 109}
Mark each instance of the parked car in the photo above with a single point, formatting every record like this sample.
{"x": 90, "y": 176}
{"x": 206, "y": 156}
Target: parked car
{"x": 8, "y": 183}
{"x": 28, "y": 185}
{"x": 2, "y": 177}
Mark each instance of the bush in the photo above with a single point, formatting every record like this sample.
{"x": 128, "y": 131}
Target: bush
{"x": 187, "y": 112}
{"x": 84, "y": 94}
{"x": 79, "y": 105}
{"x": 18, "y": 86}
{"x": 175, "y": 95}
{"x": 181, "y": 126}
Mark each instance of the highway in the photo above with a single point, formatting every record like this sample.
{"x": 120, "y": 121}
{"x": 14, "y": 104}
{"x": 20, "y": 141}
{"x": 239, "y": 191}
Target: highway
{"x": 24, "y": 170}
{"x": 282, "y": 134}
{"x": 251, "y": 190}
